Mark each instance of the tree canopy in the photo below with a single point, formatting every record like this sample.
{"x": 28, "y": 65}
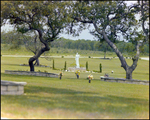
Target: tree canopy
{"x": 112, "y": 19}
{"x": 47, "y": 18}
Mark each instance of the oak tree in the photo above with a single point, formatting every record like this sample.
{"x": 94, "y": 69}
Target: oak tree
{"x": 112, "y": 19}
{"x": 47, "y": 18}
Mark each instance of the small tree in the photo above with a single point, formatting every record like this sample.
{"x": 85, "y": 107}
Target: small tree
{"x": 53, "y": 65}
{"x": 65, "y": 65}
{"x": 87, "y": 66}
{"x": 100, "y": 67}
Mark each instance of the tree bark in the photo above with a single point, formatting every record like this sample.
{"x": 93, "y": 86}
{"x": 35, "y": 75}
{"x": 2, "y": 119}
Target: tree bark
{"x": 128, "y": 69}
{"x": 129, "y": 73}
{"x": 39, "y": 52}
{"x": 36, "y": 56}
{"x": 37, "y": 62}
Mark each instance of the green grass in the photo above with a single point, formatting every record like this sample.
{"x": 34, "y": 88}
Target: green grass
{"x": 71, "y": 98}
{"x": 46, "y": 97}
{"x": 140, "y": 73}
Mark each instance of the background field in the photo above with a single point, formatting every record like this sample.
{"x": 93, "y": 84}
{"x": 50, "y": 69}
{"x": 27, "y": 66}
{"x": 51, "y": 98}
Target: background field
{"x": 75, "y": 98}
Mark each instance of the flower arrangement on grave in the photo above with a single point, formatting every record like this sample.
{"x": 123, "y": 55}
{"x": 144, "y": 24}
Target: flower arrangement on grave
{"x": 90, "y": 77}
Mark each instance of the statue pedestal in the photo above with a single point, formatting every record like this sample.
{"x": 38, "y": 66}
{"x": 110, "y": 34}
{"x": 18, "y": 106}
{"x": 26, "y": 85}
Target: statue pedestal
{"x": 73, "y": 69}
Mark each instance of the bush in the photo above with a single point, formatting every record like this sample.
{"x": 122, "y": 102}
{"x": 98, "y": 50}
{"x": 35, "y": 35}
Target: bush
{"x": 53, "y": 65}
{"x": 65, "y": 65}
{"x": 100, "y": 68}
{"x": 87, "y": 66}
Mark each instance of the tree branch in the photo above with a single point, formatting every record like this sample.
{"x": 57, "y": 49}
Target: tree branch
{"x": 83, "y": 21}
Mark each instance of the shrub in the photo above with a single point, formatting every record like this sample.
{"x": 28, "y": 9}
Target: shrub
{"x": 65, "y": 65}
{"x": 100, "y": 68}
{"x": 53, "y": 65}
{"x": 87, "y": 66}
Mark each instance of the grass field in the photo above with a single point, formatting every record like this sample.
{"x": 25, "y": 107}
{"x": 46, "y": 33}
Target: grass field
{"x": 46, "y": 97}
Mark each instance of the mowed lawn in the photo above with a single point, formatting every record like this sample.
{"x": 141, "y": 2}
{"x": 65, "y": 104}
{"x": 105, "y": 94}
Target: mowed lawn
{"x": 46, "y": 97}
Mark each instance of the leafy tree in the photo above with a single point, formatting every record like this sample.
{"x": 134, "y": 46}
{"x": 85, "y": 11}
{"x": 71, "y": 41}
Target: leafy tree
{"x": 47, "y": 18}
{"x": 104, "y": 47}
{"x": 33, "y": 44}
{"x": 110, "y": 18}
{"x": 12, "y": 38}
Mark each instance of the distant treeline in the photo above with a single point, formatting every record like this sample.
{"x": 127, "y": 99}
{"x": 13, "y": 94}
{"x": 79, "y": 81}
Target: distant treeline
{"x": 15, "y": 39}
{"x": 82, "y": 44}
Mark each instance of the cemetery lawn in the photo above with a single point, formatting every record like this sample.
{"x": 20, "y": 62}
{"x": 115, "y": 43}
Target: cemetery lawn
{"x": 46, "y": 97}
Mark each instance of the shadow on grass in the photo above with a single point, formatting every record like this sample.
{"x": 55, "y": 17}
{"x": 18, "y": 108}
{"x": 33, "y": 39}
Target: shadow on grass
{"x": 50, "y": 90}
{"x": 58, "y": 98}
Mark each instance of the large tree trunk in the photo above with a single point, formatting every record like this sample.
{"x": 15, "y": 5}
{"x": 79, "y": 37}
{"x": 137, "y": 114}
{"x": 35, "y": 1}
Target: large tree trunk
{"x": 37, "y": 62}
{"x": 32, "y": 59}
{"x": 39, "y": 52}
{"x": 129, "y": 73}
{"x": 128, "y": 69}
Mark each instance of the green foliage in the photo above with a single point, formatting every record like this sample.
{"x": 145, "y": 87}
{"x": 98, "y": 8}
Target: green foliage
{"x": 87, "y": 66}
{"x": 33, "y": 15}
{"x": 22, "y": 30}
{"x": 12, "y": 39}
{"x": 93, "y": 45}
{"x": 100, "y": 68}
{"x": 53, "y": 66}
{"x": 47, "y": 18}
{"x": 109, "y": 19}
{"x": 65, "y": 66}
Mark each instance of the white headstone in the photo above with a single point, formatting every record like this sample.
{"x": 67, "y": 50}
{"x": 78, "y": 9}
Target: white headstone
{"x": 77, "y": 60}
